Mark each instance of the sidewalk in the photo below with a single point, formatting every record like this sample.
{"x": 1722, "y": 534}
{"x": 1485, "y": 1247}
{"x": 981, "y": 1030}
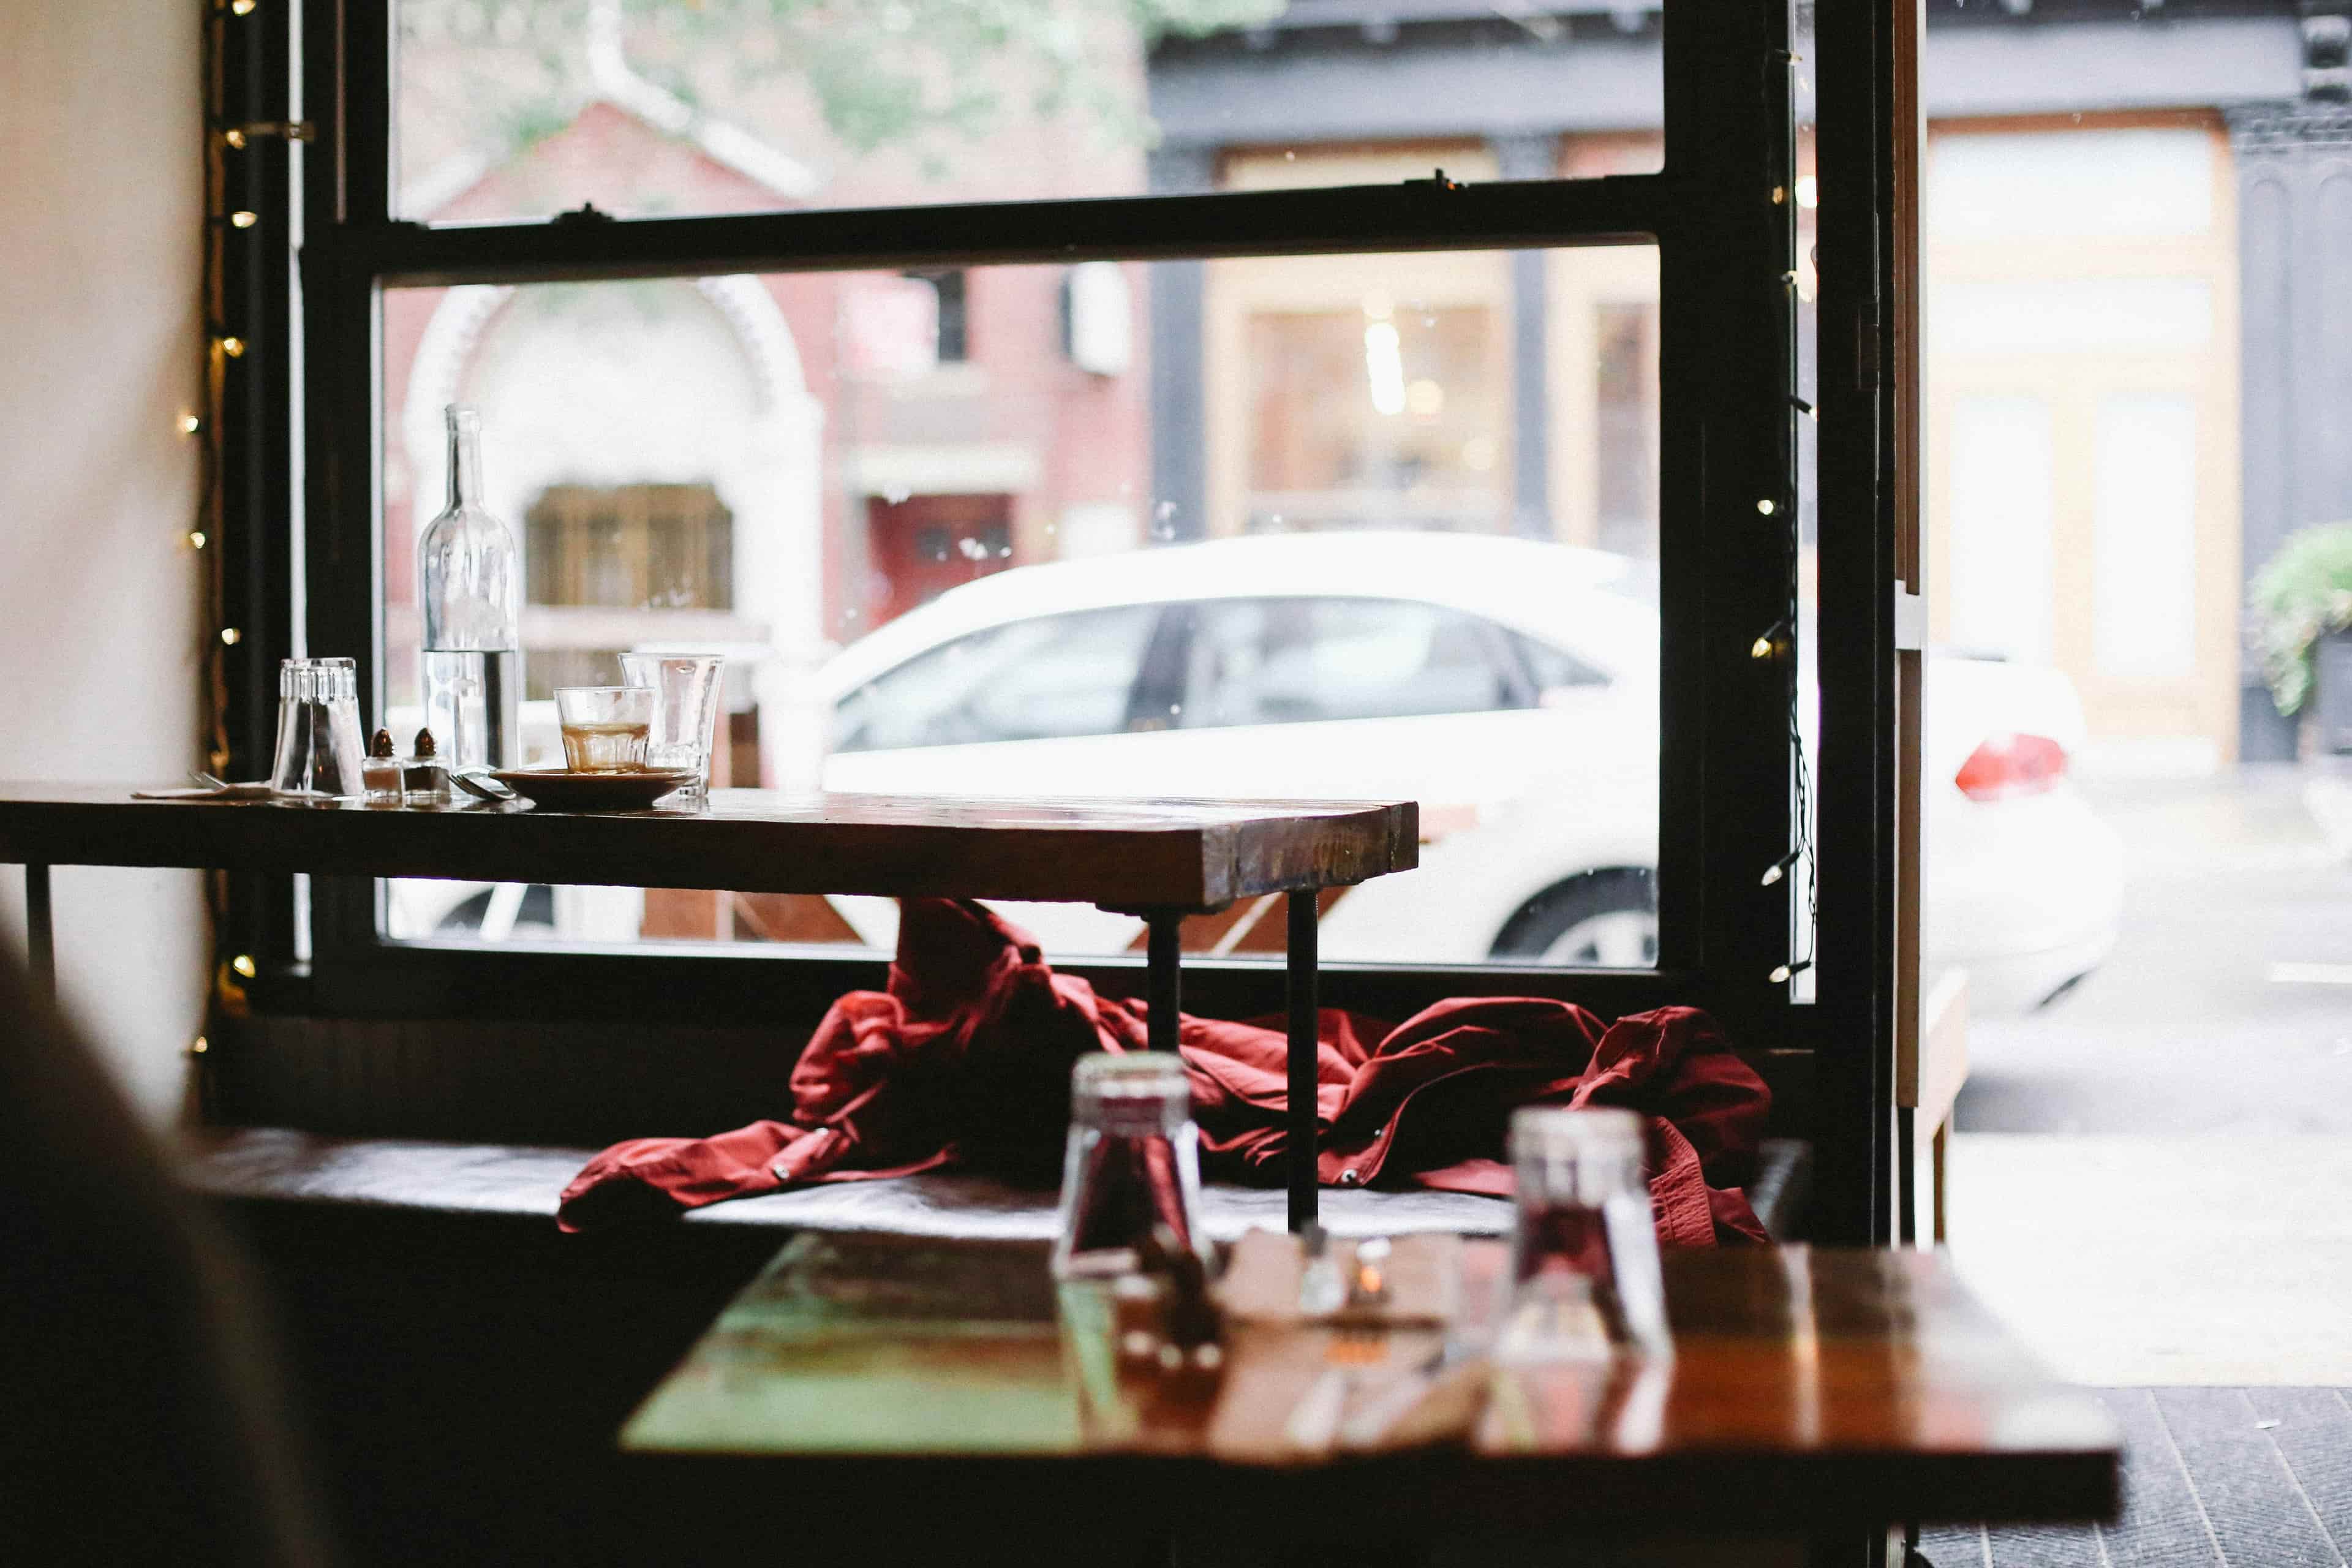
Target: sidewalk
{"x": 2133, "y": 1261}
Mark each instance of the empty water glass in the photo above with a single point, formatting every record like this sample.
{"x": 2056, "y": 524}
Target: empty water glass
{"x": 1133, "y": 1163}
{"x": 1584, "y": 1251}
{"x": 320, "y": 752}
{"x": 686, "y": 709}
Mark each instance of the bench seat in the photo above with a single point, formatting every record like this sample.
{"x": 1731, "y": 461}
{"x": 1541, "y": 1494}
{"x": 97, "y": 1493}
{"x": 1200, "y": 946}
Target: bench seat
{"x": 279, "y": 1165}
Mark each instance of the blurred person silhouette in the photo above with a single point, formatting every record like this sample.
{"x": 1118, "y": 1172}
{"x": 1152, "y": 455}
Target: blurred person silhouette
{"x": 140, "y": 1413}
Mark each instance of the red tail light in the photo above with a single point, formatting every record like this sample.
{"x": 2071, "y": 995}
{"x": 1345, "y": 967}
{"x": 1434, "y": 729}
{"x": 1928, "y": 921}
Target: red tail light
{"x": 2010, "y": 765}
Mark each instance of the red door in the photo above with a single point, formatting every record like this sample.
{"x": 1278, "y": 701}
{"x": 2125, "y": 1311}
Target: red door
{"x": 924, "y": 546}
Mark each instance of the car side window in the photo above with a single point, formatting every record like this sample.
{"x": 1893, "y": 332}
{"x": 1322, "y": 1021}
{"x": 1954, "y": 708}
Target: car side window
{"x": 1551, "y": 670}
{"x": 1288, "y": 661}
{"x": 1054, "y": 676}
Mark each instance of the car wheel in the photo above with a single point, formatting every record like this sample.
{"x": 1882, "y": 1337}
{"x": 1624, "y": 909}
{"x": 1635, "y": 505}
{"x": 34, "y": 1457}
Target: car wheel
{"x": 1601, "y": 920}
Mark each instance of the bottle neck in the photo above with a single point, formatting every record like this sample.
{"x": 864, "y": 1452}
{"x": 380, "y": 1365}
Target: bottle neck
{"x": 464, "y": 463}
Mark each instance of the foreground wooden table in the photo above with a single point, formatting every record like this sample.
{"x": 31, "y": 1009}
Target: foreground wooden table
{"x": 1810, "y": 1388}
{"x": 1159, "y": 859}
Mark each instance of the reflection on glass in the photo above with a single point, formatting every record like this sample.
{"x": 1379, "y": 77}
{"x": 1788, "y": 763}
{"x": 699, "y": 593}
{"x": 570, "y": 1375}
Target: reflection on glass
{"x": 510, "y": 110}
{"x": 1357, "y": 533}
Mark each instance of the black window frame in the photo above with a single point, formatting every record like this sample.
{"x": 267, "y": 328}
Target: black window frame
{"x": 301, "y": 471}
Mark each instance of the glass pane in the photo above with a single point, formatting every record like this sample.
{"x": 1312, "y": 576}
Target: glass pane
{"x": 510, "y": 109}
{"x": 1323, "y": 527}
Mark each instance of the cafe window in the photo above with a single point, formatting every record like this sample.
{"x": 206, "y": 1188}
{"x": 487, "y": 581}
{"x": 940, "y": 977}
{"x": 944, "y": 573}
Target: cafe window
{"x": 1094, "y": 420}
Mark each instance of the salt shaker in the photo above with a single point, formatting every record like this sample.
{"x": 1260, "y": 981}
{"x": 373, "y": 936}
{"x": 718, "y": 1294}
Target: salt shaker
{"x": 382, "y": 771}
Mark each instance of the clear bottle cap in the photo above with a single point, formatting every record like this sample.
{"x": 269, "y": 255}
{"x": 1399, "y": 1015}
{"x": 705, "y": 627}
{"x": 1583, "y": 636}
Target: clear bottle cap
{"x": 319, "y": 680}
{"x": 1136, "y": 1090}
{"x": 1556, "y": 1130}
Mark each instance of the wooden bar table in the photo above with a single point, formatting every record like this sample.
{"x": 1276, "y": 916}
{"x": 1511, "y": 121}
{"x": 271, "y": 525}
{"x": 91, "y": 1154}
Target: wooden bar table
{"x": 1811, "y": 1390}
{"x": 1158, "y": 858}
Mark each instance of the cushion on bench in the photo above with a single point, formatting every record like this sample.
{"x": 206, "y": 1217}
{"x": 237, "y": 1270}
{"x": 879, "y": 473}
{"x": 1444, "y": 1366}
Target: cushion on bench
{"x": 279, "y": 1165}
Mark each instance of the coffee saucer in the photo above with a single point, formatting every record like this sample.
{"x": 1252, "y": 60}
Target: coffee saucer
{"x": 561, "y": 789}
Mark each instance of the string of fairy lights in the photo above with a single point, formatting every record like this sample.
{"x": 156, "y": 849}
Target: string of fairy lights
{"x": 224, "y": 139}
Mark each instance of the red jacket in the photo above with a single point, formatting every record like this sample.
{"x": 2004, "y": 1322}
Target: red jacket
{"x": 965, "y": 1060}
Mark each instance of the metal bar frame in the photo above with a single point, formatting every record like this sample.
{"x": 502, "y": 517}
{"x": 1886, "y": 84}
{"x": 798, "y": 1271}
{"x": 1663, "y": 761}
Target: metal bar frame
{"x": 40, "y": 933}
{"x": 1165, "y": 977}
{"x": 1303, "y": 1135}
{"x": 1720, "y": 216}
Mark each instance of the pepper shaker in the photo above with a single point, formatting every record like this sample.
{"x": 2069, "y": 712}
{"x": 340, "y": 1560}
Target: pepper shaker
{"x": 425, "y": 777}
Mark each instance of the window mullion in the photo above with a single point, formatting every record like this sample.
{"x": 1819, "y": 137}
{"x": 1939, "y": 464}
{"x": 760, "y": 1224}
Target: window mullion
{"x": 1418, "y": 216}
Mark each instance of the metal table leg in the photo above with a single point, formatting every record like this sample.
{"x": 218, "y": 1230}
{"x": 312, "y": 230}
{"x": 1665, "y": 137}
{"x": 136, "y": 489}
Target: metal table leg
{"x": 1164, "y": 977}
{"x": 40, "y": 947}
{"x": 1303, "y": 1054}
{"x": 1906, "y": 1176}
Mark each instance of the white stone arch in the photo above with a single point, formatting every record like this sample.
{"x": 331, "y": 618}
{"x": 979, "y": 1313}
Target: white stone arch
{"x": 666, "y": 381}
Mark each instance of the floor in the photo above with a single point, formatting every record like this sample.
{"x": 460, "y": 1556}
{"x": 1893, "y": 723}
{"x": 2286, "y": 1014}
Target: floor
{"x": 2152, "y": 1183}
{"x": 2152, "y": 1178}
{"x": 2213, "y": 1478}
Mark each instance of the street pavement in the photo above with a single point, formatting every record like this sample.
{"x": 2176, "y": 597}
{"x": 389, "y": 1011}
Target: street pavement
{"x": 2186, "y": 1029}
{"x": 2150, "y": 1179}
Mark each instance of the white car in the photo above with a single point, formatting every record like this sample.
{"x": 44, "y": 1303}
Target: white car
{"x": 1509, "y": 685}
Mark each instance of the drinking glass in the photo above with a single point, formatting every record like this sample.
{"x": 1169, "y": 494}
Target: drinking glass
{"x": 604, "y": 727}
{"x": 1133, "y": 1163}
{"x": 320, "y": 752}
{"x": 686, "y": 709}
{"x": 1584, "y": 1250}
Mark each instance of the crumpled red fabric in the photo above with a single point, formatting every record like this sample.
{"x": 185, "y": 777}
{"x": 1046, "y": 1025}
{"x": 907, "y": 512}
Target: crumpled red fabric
{"x": 965, "y": 1061}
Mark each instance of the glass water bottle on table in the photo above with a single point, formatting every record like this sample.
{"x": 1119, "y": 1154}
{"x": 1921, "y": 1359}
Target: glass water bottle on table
{"x": 1585, "y": 1271}
{"x": 1132, "y": 1165}
{"x": 468, "y": 581}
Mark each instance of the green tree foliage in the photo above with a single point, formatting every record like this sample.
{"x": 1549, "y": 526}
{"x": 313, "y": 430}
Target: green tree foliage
{"x": 893, "y": 72}
{"x": 929, "y": 77}
{"x": 2304, "y": 593}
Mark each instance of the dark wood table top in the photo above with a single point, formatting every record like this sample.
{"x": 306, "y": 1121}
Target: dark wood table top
{"x": 1809, "y": 1385}
{"x": 1146, "y": 853}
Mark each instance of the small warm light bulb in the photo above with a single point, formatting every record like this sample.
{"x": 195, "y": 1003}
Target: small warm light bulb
{"x": 232, "y": 347}
{"x": 1771, "y": 875}
{"x": 1760, "y": 648}
{"x": 242, "y": 219}
{"x": 241, "y": 7}
{"x": 196, "y": 539}
{"x": 231, "y": 636}
{"x": 1779, "y": 869}
{"x": 1780, "y": 975}
{"x": 1767, "y": 507}
{"x": 199, "y": 1046}
{"x": 1783, "y": 973}
{"x": 243, "y": 965}
{"x": 234, "y": 137}
{"x": 190, "y": 424}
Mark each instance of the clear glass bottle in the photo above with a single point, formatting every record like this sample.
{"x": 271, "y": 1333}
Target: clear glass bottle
{"x": 1132, "y": 1166}
{"x": 468, "y": 585}
{"x": 1584, "y": 1252}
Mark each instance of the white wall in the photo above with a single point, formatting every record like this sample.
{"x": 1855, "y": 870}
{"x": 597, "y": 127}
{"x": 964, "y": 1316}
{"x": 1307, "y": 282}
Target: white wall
{"x": 99, "y": 120}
